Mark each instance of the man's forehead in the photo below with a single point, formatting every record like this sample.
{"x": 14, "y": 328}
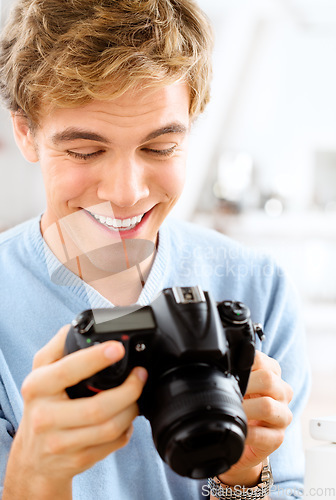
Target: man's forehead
{"x": 141, "y": 95}
{"x": 157, "y": 112}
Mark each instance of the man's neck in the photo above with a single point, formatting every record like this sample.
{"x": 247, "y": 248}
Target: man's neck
{"x": 124, "y": 288}
{"x": 109, "y": 270}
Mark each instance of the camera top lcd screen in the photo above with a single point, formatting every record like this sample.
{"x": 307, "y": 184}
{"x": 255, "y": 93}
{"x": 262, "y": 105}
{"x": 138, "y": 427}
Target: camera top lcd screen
{"x": 142, "y": 319}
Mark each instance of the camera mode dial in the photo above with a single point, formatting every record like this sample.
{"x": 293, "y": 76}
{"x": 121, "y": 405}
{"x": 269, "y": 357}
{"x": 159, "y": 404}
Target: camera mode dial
{"x": 234, "y": 312}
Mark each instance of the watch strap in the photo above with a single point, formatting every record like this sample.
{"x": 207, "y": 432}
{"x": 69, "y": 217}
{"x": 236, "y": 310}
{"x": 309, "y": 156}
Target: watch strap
{"x": 224, "y": 492}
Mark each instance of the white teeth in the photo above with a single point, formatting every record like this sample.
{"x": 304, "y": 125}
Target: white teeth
{"x": 121, "y": 224}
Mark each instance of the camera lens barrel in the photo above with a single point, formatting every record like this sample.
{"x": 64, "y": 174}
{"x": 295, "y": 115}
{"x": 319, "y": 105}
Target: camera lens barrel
{"x": 198, "y": 424}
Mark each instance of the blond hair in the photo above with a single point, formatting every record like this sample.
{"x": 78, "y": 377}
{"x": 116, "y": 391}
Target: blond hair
{"x": 68, "y": 52}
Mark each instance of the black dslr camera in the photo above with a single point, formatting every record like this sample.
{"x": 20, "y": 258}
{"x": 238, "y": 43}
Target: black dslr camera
{"x": 198, "y": 355}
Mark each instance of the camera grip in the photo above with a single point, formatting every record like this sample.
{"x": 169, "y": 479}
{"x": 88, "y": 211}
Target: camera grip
{"x": 112, "y": 376}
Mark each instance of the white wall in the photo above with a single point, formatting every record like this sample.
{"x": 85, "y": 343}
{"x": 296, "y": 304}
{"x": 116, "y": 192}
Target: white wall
{"x": 21, "y": 187}
{"x": 273, "y": 95}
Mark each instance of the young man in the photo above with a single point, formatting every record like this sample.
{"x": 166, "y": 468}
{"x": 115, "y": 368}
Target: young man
{"x": 102, "y": 94}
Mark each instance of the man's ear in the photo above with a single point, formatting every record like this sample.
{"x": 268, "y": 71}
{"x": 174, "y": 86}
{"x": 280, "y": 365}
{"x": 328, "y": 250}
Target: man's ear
{"x": 24, "y": 137}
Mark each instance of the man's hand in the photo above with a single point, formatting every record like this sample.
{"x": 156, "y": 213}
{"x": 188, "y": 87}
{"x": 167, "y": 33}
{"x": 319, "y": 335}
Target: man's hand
{"x": 59, "y": 437}
{"x": 266, "y": 407}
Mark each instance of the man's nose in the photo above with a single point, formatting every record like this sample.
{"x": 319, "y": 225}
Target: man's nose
{"x": 124, "y": 183}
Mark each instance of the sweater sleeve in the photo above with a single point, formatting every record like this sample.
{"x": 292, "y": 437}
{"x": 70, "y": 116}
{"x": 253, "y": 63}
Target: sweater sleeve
{"x": 286, "y": 342}
{"x": 11, "y": 407}
{"x": 7, "y": 432}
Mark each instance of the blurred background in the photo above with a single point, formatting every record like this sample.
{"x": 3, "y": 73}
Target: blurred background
{"x": 262, "y": 162}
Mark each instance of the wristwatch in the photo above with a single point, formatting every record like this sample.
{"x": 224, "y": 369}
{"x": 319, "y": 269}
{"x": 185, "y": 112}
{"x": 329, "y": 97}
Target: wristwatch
{"x": 224, "y": 492}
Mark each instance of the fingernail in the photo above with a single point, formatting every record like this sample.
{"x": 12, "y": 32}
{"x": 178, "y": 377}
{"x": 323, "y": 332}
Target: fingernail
{"x": 113, "y": 351}
{"x": 141, "y": 373}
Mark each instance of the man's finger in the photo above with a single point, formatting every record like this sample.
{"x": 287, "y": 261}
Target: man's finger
{"x": 84, "y": 412}
{"x": 264, "y": 440}
{"x": 75, "y": 439}
{"x": 55, "y": 378}
{"x": 267, "y": 383}
{"x": 262, "y": 361}
{"x": 267, "y": 410}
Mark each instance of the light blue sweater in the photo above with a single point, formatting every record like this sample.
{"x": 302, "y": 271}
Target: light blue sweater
{"x": 33, "y": 308}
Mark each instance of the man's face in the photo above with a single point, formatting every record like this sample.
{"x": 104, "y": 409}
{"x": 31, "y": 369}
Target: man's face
{"x": 114, "y": 169}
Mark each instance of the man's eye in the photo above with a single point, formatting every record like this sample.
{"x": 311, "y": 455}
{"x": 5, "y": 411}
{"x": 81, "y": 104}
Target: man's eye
{"x": 161, "y": 152}
{"x": 84, "y": 156}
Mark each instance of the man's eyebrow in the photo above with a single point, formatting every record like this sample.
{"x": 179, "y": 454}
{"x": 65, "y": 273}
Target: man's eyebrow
{"x": 72, "y": 134}
{"x": 172, "y": 128}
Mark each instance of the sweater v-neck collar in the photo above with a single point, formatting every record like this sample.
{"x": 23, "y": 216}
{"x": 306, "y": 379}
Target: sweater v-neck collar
{"x": 60, "y": 275}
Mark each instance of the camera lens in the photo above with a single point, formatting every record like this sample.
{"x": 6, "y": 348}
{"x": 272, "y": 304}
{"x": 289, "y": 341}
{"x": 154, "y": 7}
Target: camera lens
{"x": 198, "y": 424}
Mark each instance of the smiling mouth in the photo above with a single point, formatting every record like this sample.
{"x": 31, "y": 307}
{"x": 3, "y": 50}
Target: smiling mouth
{"x": 118, "y": 224}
